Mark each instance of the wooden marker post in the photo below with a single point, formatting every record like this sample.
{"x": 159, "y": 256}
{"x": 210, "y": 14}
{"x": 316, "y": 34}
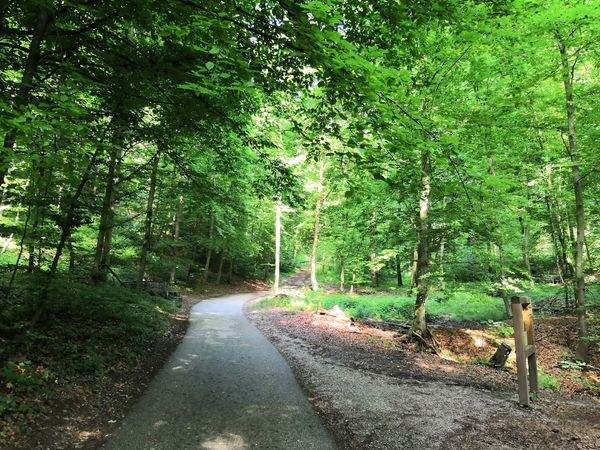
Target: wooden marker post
{"x": 524, "y": 348}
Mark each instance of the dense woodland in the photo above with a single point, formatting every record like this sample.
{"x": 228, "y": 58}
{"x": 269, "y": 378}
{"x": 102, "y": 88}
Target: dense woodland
{"x": 421, "y": 144}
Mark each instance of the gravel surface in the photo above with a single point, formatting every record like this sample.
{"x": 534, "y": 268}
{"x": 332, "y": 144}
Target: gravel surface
{"x": 225, "y": 387}
{"x": 374, "y": 395}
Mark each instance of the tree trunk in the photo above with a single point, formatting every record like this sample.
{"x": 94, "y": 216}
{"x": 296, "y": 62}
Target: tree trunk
{"x": 562, "y": 239}
{"x": 107, "y": 214}
{"x": 68, "y": 220}
{"x": 230, "y": 271}
{"x": 413, "y": 268}
{"x": 559, "y": 266}
{"x": 148, "y": 224}
{"x": 526, "y": 250}
{"x": 220, "y": 272}
{"x": 173, "y": 275}
{"x": 568, "y": 76}
{"x": 399, "y": 281}
{"x": 277, "y": 244}
{"x": 553, "y": 225}
{"x": 71, "y": 255}
{"x": 39, "y": 197}
{"x": 525, "y": 233}
{"x": 31, "y": 246}
{"x": 313, "y": 256}
{"x": 67, "y": 224}
{"x": 501, "y": 261}
{"x": 44, "y": 17}
{"x": 7, "y": 244}
{"x": 211, "y": 238}
{"x": 441, "y": 263}
{"x": 419, "y": 324}
{"x": 373, "y": 262}
{"x": 342, "y": 272}
{"x": 16, "y": 266}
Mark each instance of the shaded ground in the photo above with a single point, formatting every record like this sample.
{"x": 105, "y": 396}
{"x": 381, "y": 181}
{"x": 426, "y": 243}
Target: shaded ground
{"x": 83, "y": 412}
{"x": 375, "y": 394}
{"x": 225, "y": 387}
{"x": 556, "y": 342}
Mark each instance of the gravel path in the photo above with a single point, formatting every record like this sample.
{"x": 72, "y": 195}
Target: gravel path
{"x": 374, "y": 396}
{"x": 225, "y": 387}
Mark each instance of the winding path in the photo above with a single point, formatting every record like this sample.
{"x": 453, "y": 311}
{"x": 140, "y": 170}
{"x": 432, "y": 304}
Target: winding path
{"x": 225, "y": 387}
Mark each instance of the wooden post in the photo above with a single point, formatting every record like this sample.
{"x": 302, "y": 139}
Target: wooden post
{"x": 530, "y": 350}
{"x": 524, "y": 348}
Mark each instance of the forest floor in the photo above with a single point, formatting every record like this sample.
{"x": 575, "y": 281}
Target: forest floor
{"x": 375, "y": 391}
{"x": 82, "y": 412}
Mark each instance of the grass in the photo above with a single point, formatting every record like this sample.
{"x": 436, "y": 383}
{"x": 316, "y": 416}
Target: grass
{"x": 457, "y": 306}
{"x": 86, "y": 333}
{"x": 460, "y": 301}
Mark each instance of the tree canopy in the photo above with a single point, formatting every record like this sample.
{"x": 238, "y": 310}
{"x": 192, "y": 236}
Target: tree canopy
{"x": 155, "y": 140}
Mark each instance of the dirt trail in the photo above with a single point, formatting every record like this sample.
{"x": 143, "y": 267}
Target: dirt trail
{"x": 225, "y": 387}
{"x": 375, "y": 396}
{"x": 299, "y": 279}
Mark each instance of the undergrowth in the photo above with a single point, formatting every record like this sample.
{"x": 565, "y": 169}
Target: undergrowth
{"x": 457, "y": 306}
{"x": 86, "y": 333}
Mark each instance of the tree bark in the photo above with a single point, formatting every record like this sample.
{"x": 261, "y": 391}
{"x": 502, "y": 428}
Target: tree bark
{"x": 568, "y": 70}
{"x": 35, "y": 224}
{"x": 277, "y": 244}
{"x": 148, "y": 224}
{"x": 501, "y": 261}
{"x": 178, "y": 213}
{"x": 211, "y": 238}
{"x": 342, "y": 272}
{"x": 441, "y": 263}
{"x": 399, "y": 281}
{"x": 313, "y": 256}
{"x": 44, "y": 17}
{"x": 413, "y": 267}
{"x": 419, "y": 324}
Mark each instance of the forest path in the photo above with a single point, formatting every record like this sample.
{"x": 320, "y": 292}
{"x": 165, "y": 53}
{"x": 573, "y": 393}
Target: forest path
{"x": 299, "y": 279}
{"x": 225, "y": 387}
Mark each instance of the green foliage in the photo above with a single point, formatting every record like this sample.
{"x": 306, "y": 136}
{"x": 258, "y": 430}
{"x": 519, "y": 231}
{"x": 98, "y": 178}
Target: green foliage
{"x": 236, "y": 104}
{"x": 591, "y": 385}
{"x": 547, "y": 381}
{"x": 21, "y": 379}
{"x": 502, "y": 330}
{"x": 91, "y": 332}
{"x": 283, "y": 302}
{"x": 574, "y": 364}
{"x": 462, "y": 306}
